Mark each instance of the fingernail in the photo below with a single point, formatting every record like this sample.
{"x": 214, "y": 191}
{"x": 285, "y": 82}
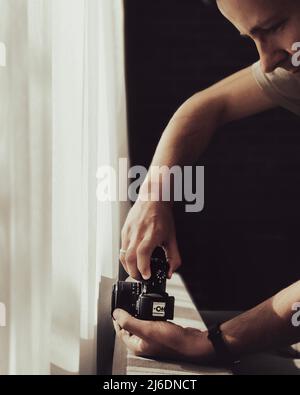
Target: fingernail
{"x": 146, "y": 276}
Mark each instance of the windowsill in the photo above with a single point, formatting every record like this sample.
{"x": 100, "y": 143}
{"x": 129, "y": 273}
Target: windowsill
{"x": 186, "y": 315}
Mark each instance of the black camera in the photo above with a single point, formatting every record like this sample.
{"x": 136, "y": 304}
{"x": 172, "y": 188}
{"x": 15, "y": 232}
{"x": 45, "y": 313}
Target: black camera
{"x": 146, "y": 300}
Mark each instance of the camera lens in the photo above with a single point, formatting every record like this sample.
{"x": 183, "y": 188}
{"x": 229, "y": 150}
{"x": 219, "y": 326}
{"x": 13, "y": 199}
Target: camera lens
{"x": 125, "y": 295}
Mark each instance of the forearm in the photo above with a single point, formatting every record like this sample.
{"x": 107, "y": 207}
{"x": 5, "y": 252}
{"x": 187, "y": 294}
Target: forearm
{"x": 187, "y": 135}
{"x": 193, "y": 125}
{"x": 266, "y": 326}
{"x": 189, "y": 131}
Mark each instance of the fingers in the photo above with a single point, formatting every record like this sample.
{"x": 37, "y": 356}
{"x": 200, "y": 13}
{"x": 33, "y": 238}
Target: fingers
{"x": 172, "y": 255}
{"x": 141, "y": 347}
{"x": 146, "y": 228}
{"x": 122, "y": 256}
{"x": 123, "y": 261}
{"x": 161, "y": 333}
{"x": 128, "y": 256}
{"x": 131, "y": 262}
{"x": 145, "y": 348}
{"x": 144, "y": 252}
{"x": 133, "y": 343}
{"x": 132, "y": 325}
{"x": 137, "y": 259}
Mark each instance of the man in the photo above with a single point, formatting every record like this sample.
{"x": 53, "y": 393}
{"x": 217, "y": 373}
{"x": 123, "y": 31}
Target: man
{"x": 273, "y": 81}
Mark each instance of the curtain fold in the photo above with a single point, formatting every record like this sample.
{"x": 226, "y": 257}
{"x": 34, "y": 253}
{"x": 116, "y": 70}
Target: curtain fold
{"x": 62, "y": 115}
{"x": 25, "y": 185}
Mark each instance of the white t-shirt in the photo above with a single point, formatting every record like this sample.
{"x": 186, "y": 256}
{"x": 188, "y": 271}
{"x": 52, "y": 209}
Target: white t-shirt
{"x": 281, "y": 86}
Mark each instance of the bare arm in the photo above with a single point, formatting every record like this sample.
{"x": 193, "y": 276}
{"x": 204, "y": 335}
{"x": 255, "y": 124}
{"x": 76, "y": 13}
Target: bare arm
{"x": 150, "y": 224}
{"x": 263, "y": 328}
{"x": 193, "y": 125}
{"x": 266, "y": 326}
{"x": 185, "y": 138}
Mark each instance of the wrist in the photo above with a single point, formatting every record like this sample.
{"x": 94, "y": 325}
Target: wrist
{"x": 154, "y": 191}
{"x": 209, "y": 350}
{"x": 200, "y": 349}
{"x": 222, "y": 345}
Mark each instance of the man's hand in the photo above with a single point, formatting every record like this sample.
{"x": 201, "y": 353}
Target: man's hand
{"x": 149, "y": 225}
{"x": 162, "y": 339}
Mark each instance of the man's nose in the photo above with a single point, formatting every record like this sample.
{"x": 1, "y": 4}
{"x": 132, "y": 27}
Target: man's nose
{"x": 270, "y": 57}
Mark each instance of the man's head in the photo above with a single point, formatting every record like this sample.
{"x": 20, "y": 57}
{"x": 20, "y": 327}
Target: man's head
{"x": 274, "y": 26}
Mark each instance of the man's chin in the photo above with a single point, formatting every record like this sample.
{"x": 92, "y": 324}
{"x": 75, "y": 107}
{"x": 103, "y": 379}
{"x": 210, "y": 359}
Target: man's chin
{"x": 292, "y": 71}
{"x": 290, "y": 68}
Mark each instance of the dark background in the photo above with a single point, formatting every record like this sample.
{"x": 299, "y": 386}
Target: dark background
{"x": 244, "y": 246}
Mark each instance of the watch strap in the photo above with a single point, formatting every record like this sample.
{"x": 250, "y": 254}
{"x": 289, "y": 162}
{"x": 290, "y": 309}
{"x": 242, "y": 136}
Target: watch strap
{"x": 222, "y": 351}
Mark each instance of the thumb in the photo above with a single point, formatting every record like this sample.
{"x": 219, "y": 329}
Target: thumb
{"x": 132, "y": 325}
{"x": 172, "y": 255}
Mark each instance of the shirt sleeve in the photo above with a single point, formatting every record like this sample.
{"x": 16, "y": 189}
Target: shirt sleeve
{"x": 281, "y": 86}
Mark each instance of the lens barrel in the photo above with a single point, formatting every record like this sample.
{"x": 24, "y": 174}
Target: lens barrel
{"x": 125, "y": 296}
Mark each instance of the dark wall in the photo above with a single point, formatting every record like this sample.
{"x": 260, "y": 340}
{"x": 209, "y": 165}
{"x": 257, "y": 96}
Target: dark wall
{"x": 244, "y": 246}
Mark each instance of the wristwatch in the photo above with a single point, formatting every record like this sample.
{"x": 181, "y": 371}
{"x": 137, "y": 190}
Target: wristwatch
{"x": 222, "y": 351}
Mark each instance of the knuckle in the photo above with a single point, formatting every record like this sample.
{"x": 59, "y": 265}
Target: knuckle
{"x": 143, "y": 249}
{"x": 135, "y": 275}
{"x": 156, "y": 226}
{"x": 123, "y": 323}
{"x": 132, "y": 270}
{"x": 151, "y": 222}
{"x": 178, "y": 264}
{"x": 130, "y": 257}
{"x": 175, "y": 264}
{"x": 140, "y": 224}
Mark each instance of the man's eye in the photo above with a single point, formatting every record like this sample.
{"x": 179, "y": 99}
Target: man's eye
{"x": 274, "y": 29}
{"x": 277, "y": 27}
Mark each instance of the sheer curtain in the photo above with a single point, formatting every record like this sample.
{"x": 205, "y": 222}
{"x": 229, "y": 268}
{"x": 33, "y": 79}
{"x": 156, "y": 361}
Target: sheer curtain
{"x": 62, "y": 115}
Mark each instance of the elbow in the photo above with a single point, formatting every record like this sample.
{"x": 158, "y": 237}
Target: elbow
{"x": 204, "y": 107}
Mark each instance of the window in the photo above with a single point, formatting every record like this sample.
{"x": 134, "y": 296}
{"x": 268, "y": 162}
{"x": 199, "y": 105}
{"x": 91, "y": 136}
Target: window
{"x": 63, "y": 116}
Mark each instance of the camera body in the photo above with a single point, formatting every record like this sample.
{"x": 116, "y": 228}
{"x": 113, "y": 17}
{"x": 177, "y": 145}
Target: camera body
{"x": 146, "y": 300}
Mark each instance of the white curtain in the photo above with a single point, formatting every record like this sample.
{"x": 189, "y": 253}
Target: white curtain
{"x": 62, "y": 115}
